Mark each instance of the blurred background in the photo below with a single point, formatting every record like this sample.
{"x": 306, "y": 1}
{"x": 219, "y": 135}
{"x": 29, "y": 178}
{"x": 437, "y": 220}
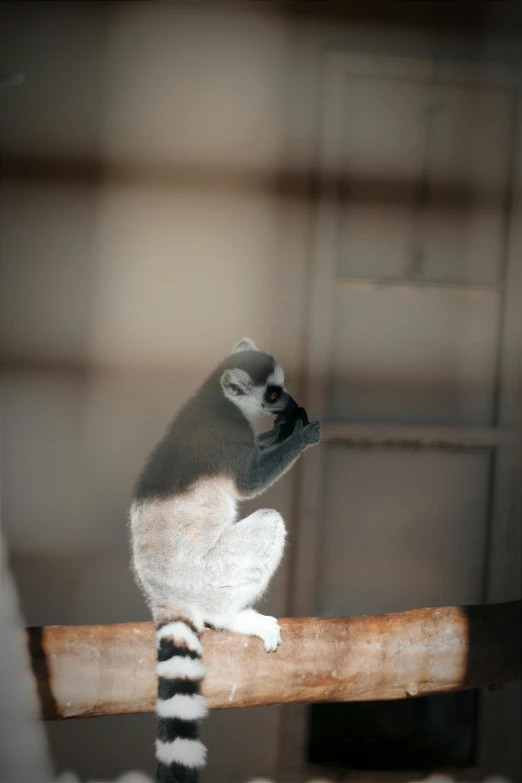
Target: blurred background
{"x": 340, "y": 182}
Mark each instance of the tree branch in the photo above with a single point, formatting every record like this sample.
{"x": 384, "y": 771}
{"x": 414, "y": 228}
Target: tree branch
{"x": 109, "y": 669}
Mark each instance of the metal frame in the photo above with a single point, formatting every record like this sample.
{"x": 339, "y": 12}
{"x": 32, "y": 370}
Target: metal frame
{"x": 503, "y": 438}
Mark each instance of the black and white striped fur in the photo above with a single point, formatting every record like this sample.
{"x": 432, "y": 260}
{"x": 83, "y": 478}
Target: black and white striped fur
{"x": 180, "y": 706}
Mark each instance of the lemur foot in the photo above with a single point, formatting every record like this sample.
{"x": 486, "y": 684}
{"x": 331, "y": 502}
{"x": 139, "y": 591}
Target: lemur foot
{"x": 270, "y": 632}
{"x": 251, "y": 623}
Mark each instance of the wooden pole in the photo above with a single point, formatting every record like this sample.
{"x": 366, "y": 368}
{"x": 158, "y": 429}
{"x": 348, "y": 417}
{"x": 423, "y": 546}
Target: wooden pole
{"x": 109, "y": 669}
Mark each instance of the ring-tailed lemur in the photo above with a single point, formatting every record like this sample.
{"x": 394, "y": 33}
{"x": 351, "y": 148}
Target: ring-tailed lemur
{"x": 194, "y": 562}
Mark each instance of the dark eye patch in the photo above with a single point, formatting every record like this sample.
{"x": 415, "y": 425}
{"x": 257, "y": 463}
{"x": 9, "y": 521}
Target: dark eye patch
{"x": 272, "y": 393}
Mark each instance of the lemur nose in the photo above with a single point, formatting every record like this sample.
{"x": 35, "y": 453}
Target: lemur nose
{"x": 291, "y": 405}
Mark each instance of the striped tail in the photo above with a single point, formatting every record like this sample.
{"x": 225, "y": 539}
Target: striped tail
{"x": 180, "y": 706}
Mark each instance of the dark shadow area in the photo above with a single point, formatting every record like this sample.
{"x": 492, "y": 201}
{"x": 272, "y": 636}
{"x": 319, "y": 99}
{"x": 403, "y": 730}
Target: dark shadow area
{"x": 430, "y": 733}
{"x": 415, "y": 734}
{"x": 495, "y": 642}
{"x": 373, "y": 188}
{"x": 469, "y": 18}
{"x": 40, "y": 668}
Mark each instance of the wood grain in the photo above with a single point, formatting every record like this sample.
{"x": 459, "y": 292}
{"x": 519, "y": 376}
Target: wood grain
{"x": 95, "y": 670}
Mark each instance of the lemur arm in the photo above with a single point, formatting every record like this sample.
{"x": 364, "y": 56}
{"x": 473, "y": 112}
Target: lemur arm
{"x": 267, "y": 465}
{"x": 282, "y": 429}
{"x": 266, "y": 439}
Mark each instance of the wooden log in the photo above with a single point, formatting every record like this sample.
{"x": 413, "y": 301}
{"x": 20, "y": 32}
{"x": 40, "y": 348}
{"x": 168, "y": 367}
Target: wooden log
{"x": 109, "y": 669}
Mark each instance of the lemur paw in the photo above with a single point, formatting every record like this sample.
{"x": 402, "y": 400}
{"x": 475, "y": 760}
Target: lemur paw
{"x": 251, "y": 623}
{"x": 270, "y": 632}
{"x": 311, "y": 434}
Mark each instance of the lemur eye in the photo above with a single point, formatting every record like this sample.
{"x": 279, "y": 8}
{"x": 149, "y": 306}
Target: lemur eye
{"x": 274, "y": 395}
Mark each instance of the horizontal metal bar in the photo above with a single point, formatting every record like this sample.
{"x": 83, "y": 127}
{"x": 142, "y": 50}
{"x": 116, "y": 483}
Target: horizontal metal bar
{"x": 410, "y": 282}
{"x": 419, "y": 437}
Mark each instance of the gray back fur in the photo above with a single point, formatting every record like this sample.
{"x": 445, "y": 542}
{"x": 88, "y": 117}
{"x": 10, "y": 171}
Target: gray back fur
{"x": 209, "y": 436}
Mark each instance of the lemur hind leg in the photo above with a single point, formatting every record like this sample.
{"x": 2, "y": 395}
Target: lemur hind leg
{"x": 239, "y": 569}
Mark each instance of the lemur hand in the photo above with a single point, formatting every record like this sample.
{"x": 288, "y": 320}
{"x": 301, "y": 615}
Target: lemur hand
{"x": 284, "y": 425}
{"x": 309, "y": 434}
{"x": 312, "y": 433}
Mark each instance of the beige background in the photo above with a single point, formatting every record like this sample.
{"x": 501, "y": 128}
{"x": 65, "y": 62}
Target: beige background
{"x": 159, "y": 207}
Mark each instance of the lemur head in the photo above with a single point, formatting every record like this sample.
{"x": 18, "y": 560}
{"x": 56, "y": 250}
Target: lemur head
{"x": 254, "y": 382}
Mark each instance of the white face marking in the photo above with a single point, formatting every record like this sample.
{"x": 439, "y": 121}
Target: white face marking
{"x": 251, "y": 403}
{"x": 276, "y": 378}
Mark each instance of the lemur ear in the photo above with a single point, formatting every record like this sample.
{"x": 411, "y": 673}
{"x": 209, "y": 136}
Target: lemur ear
{"x": 246, "y": 344}
{"x": 235, "y": 382}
